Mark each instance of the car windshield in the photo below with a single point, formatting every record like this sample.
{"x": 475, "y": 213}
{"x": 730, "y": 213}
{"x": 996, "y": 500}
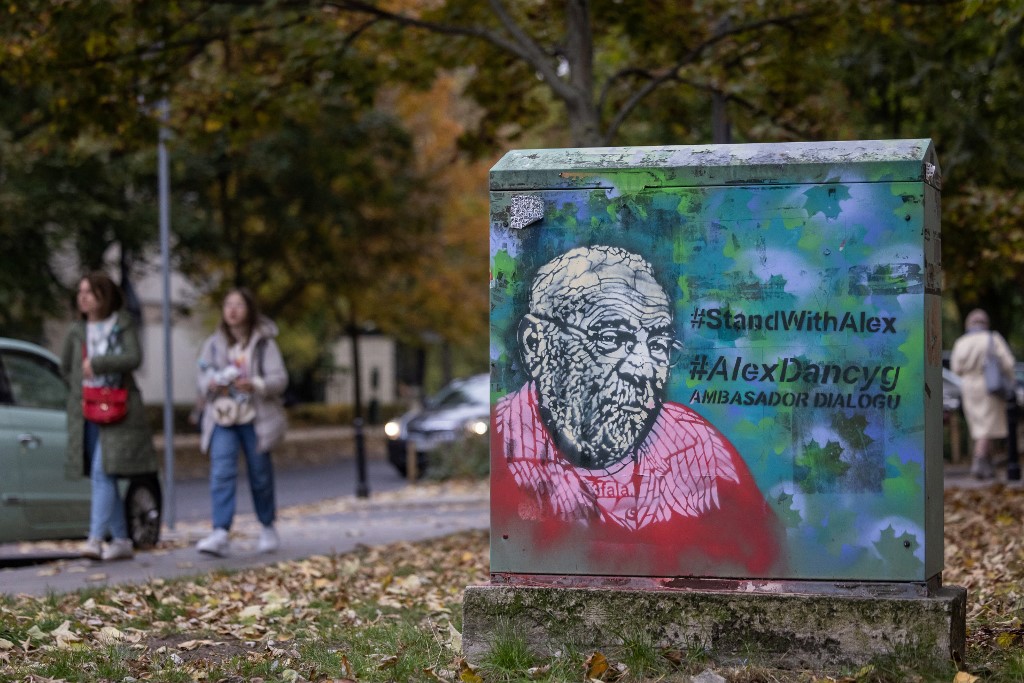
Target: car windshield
{"x": 475, "y": 392}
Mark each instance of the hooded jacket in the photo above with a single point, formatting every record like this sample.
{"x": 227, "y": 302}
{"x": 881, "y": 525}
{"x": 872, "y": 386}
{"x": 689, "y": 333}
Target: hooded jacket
{"x": 265, "y": 367}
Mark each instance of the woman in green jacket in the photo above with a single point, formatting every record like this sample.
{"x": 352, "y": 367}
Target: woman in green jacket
{"x": 102, "y": 349}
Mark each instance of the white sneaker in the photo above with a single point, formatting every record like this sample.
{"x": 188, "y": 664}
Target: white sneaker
{"x": 118, "y": 549}
{"x": 215, "y": 544}
{"x": 92, "y": 548}
{"x": 268, "y": 540}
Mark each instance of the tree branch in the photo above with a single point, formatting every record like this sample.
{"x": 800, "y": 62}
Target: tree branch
{"x": 761, "y": 111}
{"x": 671, "y": 73}
{"x": 617, "y": 76}
{"x": 520, "y": 44}
{"x": 148, "y": 51}
{"x": 530, "y": 51}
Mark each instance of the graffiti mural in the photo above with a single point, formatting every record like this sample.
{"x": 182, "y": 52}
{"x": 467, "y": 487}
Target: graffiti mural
{"x": 708, "y": 379}
{"x": 589, "y": 438}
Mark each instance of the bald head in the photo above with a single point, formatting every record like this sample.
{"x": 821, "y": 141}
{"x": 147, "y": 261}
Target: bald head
{"x": 565, "y": 284}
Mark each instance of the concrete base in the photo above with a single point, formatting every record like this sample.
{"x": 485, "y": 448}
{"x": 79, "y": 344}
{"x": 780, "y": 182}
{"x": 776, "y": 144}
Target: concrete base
{"x": 806, "y": 631}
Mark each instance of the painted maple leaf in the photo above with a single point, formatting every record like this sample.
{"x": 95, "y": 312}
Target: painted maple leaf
{"x": 818, "y": 469}
{"x": 898, "y": 552}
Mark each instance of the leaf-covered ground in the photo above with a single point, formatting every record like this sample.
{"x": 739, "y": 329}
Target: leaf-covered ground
{"x": 985, "y": 554}
{"x": 392, "y": 614}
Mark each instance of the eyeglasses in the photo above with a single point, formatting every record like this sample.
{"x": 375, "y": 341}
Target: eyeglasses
{"x": 616, "y": 343}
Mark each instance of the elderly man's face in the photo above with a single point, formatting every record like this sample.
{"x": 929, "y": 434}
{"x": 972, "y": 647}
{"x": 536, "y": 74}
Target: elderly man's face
{"x": 603, "y": 377}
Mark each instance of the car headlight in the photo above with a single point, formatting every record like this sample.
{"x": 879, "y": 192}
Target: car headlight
{"x": 392, "y": 429}
{"x": 478, "y": 427}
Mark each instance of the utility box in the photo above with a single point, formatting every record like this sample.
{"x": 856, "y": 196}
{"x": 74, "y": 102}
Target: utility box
{"x": 717, "y": 362}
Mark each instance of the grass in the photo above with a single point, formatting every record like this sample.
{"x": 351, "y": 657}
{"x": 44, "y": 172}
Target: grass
{"x": 906, "y": 663}
{"x": 394, "y": 614}
{"x": 640, "y": 655}
{"x": 375, "y": 615}
{"x": 509, "y": 656}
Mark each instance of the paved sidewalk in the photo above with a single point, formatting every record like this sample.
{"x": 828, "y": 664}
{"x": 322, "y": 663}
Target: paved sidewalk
{"x": 959, "y": 477}
{"x": 336, "y": 526}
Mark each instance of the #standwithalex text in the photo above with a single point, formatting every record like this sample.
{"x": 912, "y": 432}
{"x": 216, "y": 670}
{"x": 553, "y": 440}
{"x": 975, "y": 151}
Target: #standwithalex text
{"x": 792, "y": 321}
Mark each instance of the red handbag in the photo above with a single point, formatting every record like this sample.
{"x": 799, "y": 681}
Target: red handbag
{"x": 104, "y": 405}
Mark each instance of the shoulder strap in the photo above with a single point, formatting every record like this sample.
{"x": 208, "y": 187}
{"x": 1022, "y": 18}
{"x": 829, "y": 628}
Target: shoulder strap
{"x": 261, "y": 349}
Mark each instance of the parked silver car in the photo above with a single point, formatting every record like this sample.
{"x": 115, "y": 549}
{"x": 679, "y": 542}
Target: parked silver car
{"x": 38, "y": 500}
{"x": 461, "y": 408}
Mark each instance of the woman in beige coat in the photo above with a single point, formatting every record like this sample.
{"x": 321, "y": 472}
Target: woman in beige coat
{"x": 985, "y": 412}
{"x": 241, "y": 360}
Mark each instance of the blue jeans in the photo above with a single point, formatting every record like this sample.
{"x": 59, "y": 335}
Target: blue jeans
{"x": 107, "y": 509}
{"x": 224, "y": 446}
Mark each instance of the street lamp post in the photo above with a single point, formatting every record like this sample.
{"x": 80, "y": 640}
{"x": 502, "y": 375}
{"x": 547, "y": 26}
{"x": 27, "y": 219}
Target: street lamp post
{"x": 164, "y": 191}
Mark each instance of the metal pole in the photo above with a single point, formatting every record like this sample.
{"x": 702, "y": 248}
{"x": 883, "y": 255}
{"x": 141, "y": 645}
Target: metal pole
{"x": 362, "y": 485}
{"x": 1012, "y": 456}
{"x": 163, "y": 178}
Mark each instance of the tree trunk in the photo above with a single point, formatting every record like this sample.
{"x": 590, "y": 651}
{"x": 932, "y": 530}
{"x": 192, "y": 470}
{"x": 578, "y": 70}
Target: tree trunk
{"x": 585, "y": 125}
{"x": 584, "y": 118}
{"x": 720, "y": 132}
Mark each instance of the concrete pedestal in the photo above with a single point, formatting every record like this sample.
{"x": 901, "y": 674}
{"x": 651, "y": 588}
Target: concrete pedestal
{"x": 814, "y": 631}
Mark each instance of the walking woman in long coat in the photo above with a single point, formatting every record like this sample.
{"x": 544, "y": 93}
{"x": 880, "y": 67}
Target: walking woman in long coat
{"x": 102, "y": 348}
{"x": 242, "y": 362}
{"x": 985, "y": 412}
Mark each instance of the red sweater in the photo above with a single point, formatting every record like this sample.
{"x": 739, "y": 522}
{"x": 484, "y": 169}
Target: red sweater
{"x": 684, "y": 505}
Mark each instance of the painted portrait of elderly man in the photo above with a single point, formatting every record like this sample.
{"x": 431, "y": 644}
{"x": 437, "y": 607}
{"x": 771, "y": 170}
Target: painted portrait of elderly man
{"x": 589, "y": 457}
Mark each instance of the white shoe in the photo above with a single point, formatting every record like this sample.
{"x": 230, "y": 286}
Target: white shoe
{"x": 268, "y": 540}
{"x": 118, "y": 549}
{"x": 215, "y": 544}
{"x": 93, "y": 549}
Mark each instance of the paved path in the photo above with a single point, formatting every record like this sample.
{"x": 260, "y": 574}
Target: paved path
{"x": 337, "y": 525}
{"x": 334, "y": 526}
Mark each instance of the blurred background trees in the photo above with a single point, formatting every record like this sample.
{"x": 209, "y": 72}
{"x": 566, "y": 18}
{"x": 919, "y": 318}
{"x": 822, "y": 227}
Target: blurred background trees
{"x": 333, "y": 155}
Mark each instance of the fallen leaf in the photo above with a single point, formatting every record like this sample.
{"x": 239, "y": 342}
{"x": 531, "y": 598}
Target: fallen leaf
{"x": 251, "y": 611}
{"x": 112, "y": 611}
{"x": 196, "y": 644}
{"x": 108, "y": 635}
{"x": 535, "y": 673}
{"x": 616, "y": 672}
{"x": 432, "y": 675}
{"x": 468, "y": 674}
{"x": 454, "y": 639}
{"x": 346, "y": 668}
{"x": 1006, "y": 640}
{"x": 595, "y": 666}
{"x": 64, "y": 636}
